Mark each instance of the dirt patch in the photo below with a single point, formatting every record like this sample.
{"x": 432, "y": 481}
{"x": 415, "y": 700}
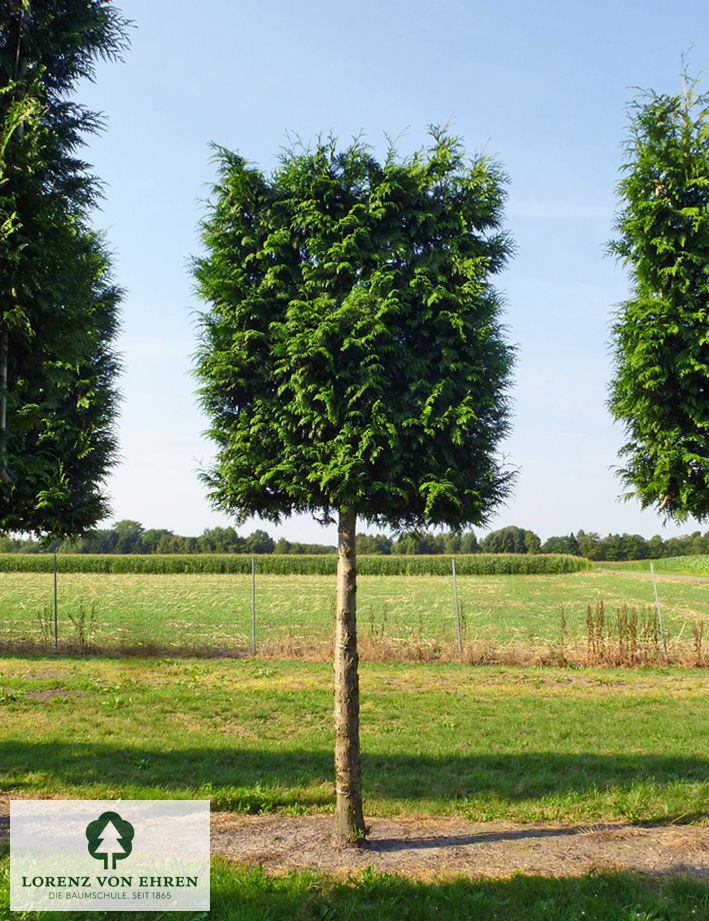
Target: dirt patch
{"x": 435, "y": 846}
{"x": 47, "y": 694}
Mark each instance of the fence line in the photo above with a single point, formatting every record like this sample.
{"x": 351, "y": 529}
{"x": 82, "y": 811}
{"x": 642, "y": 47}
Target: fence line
{"x": 295, "y": 616}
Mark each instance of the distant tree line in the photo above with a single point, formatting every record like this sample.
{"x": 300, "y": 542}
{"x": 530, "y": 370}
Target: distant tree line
{"x": 131, "y": 537}
{"x": 511, "y": 539}
{"x": 616, "y": 547}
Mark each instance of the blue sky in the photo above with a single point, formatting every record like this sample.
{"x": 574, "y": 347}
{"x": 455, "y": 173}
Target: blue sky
{"x": 542, "y": 87}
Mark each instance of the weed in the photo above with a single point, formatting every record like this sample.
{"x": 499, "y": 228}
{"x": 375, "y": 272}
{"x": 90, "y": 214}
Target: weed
{"x": 698, "y": 633}
{"x": 85, "y": 623}
{"x": 463, "y": 621}
{"x": 564, "y": 625}
{"x": 45, "y": 618}
{"x": 8, "y": 696}
{"x": 631, "y": 639}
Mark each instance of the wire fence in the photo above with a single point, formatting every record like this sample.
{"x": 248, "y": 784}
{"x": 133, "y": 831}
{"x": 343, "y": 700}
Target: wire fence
{"x": 496, "y": 618}
{"x": 232, "y": 613}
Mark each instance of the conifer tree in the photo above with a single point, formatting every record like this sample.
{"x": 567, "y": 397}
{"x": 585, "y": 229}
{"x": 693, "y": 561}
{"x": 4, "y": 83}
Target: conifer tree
{"x": 351, "y": 359}
{"x": 661, "y": 387}
{"x": 58, "y": 303}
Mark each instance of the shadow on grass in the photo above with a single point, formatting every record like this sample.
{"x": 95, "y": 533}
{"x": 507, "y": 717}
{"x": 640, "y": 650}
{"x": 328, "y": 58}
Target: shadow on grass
{"x": 254, "y": 780}
{"x": 247, "y": 894}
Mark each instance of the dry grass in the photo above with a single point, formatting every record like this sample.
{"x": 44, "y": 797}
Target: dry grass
{"x": 587, "y": 618}
{"x": 610, "y": 643}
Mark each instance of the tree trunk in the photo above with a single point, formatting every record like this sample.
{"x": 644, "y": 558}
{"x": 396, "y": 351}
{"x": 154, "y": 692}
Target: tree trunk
{"x": 349, "y": 820}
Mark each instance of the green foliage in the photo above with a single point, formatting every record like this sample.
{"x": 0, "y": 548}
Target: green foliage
{"x": 373, "y": 543}
{"x": 561, "y": 544}
{"x": 661, "y": 386}
{"x": 351, "y": 356}
{"x": 511, "y": 540}
{"x": 420, "y": 542}
{"x": 319, "y": 564}
{"x": 58, "y": 304}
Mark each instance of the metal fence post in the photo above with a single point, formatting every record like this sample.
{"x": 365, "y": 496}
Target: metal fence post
{"x": 56, "y": 622}
{"x": 253, "y": 605}
{"x": 457, "y": 609}
{"x": 657, "y": 605}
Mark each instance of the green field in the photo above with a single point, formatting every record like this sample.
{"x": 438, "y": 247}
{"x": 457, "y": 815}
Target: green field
{"x": 676, "y": 565}
{"x": 398, "y": 615}
{"x": 480, "y": 742}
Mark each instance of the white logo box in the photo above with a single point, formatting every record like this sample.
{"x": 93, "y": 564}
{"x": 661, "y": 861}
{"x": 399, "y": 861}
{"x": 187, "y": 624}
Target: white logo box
{"x": 109, "y": 855}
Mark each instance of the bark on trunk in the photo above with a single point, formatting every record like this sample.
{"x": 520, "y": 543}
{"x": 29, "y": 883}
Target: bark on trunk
{"x": 349, "y": 820}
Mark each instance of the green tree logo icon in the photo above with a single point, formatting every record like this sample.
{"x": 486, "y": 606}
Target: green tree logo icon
{"x": 110, "y": 839}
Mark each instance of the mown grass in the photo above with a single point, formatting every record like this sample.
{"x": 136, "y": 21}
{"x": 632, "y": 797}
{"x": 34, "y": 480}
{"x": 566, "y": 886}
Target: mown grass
{"x": 295, "y": 613}
{"x": 480, "y": 742}
{"x": 248, "y": 894}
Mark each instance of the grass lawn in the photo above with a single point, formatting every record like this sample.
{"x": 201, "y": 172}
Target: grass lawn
{"x": 480, "y": 742}
{"x": 249, "y": 895}
{"x": 296, "y": 611}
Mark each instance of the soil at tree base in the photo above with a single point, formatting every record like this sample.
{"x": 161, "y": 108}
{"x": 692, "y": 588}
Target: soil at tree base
{"x": 434, "y": 846}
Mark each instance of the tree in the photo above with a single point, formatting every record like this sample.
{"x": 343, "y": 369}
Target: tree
{"x": 128, "y": 536}
{"x": 419, "y": 543}
{"x": 99, "y": 540}
{"x": 661, "y": 387}
{"x": 511, "y": 540}
{"x": 373, "y": 543}
{"x": 110, "y": 838}
{"x": 149, "y": 540}
{"x": 469, "y": 543}
{"x": 58, "y": 303}
{"x": 561, "y": 544}
{"x": 220, "y": 540}
{"x": 259, "y": 542}
{"x": 351, "y": 360}
{"x": 532, "y": 542}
